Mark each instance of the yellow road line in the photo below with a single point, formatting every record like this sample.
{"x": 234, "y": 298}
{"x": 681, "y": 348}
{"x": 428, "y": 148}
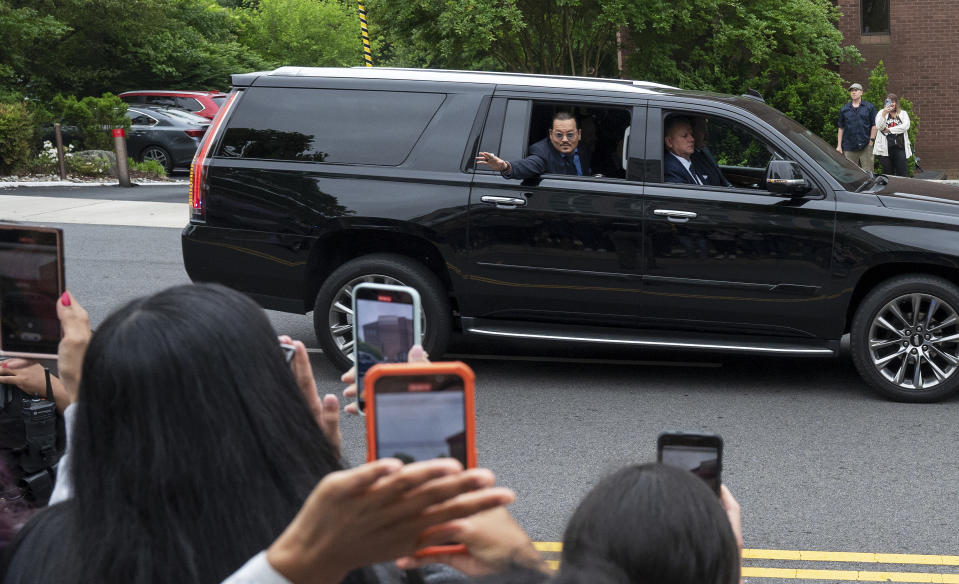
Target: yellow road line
{"x": 859, "y": 558}
{"x": 849, "y": 575}
{"x": 816, "y": 556}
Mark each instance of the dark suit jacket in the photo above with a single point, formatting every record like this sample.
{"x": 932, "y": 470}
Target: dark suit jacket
{"x": 674, "y": 172}
{"x": 703, "y": 159}
{"x": 544, "y": 159}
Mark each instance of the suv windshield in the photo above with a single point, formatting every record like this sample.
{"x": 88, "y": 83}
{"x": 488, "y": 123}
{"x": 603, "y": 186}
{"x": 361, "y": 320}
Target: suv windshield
{"x": 848, "y": 174}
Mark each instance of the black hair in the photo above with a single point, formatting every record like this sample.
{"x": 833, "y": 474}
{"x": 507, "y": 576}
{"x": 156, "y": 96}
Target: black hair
{"x": 193, "y": 447}
{"x": 655, "y": 523}
{"x": 563, "y": 116}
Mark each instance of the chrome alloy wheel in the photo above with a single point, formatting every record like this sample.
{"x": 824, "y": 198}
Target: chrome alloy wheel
{"x": 340, "y": 315}
{"x": 160, "y": 155}
{"x": 914, "y": 341}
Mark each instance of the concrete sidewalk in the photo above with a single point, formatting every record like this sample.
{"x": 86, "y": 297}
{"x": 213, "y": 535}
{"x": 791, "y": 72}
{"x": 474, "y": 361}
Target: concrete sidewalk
{"x": 93, "y": 211}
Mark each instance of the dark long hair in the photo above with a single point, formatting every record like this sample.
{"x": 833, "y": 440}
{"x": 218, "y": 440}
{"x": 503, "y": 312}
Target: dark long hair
{"x": 193, "y": 447}
{"x": 655, "y": 523}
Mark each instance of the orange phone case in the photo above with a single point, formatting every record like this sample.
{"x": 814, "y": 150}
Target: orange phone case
{"x": 458, "y": 368}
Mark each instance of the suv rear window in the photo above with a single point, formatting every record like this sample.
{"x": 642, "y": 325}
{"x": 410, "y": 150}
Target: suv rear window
{"x": 328, "y": 125}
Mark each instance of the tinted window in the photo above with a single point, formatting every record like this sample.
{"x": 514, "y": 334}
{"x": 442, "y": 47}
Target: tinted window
{"x": 328, "y": 125}
{"x": 165, "y": 100}
{"x": 140, "y": 119}
{"x": 875, "y": 16}
{"x": 219, "y": 100}
{"x": 189, "y": 104}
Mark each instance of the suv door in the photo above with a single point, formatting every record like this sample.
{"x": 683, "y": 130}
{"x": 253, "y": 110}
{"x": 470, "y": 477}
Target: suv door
{"x": 559, "y": 247}
{"x": 735, "y": 258}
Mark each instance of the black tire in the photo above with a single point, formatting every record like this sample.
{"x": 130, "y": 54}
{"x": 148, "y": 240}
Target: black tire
{"x": 901, "y": 338}
{"x": 334, "y": 330}
{"x": 161, "y": 155}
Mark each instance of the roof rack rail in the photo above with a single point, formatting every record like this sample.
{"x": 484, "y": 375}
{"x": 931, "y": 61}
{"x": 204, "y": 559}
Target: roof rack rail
{"x": 520, "y": 74}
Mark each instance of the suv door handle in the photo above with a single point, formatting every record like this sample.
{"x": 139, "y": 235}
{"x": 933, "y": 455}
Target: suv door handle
{"x": 675, "y": 216}
{"x": 503, "y": 201}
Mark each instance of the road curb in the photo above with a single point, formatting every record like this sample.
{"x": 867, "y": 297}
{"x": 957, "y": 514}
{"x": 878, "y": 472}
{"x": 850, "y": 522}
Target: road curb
{"x": 67, "y": 183}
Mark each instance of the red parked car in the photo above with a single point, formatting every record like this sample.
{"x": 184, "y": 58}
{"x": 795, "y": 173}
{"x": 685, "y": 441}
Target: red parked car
{"x": 201, "y": 103}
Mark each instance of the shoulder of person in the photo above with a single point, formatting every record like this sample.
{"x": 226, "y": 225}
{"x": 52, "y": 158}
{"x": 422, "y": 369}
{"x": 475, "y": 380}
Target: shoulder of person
{"x": 541, "y": 146}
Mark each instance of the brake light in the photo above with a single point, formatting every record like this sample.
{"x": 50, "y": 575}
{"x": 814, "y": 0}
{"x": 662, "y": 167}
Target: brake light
{"x": 195, "y": 133}
{"x": 200, "y": 162}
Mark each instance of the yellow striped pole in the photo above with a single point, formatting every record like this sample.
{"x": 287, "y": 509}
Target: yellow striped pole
{"x": 367, "y": 55}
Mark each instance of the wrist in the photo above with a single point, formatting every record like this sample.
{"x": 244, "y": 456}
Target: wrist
{"x": 289, "y": 559}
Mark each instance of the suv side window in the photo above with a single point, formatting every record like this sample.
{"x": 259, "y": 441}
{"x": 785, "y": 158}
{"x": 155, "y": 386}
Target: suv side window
{"x": 329, "y": 125}
{"x": 741, "y": 155}
{"x": 604, "y": 133}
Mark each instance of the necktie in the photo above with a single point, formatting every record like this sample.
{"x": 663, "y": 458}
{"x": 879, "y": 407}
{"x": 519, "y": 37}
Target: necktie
{"x": 576, "y": 163}
{"x": 695, "y": 174}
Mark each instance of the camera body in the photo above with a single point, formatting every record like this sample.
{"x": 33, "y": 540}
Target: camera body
{"x": 40, "y": 429}
{"x": 31, "y": 439}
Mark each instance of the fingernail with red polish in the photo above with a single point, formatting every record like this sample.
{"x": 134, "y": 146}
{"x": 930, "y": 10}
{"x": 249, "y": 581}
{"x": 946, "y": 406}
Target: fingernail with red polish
{"x": 3, "y": 365}
{"x": 65, "y": 299}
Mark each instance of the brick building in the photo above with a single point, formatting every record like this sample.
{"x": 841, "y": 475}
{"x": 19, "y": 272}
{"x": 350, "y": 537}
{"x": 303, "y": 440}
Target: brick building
{"x": 918, "y": 41}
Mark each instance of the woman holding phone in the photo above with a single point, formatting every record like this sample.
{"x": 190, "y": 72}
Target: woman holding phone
{"x": 195, "y": 444}
{"x": 892, "y": 140}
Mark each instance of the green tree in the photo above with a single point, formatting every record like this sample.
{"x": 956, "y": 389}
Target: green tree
{"x": 116, "y": 45}
{"x": 23, "y": 30}
{"x": 303, "y": 33}
{"x": 788, "y": 50}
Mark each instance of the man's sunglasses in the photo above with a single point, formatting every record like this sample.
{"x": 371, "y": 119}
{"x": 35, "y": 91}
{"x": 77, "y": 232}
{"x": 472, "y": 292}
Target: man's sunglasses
{"x": 568, "y": 135}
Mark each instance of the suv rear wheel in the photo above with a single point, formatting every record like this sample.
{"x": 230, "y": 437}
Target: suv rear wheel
{"x": 333, "y": 312}
{"x": 905, "y": 338}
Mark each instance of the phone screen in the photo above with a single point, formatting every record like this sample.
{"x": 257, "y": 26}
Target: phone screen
{"x": 31, "y": 281}
{"x": 421, "y": 417}
{"x": 385, "y": 329}
{"x": 699, "y": 453}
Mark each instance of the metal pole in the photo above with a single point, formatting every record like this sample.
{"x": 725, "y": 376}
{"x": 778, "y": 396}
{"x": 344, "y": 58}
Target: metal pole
{"x": 120, "y": 145}
{"x": 61, "y": 159}
{"x": 367, "y": 55}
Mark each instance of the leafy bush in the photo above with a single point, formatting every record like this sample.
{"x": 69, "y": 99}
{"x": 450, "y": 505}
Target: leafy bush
{"x": 93, "y": 116}
{"x": 148, "y": 166}
{"x": 16, "y": 133}
{"x": 89, "y": 164}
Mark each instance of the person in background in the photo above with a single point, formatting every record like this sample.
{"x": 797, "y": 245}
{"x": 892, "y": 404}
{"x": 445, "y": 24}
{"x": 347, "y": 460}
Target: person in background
{"x": 657, "y": 523}
{"x": 892, "y": 141}
{"x": 857, "y": 129}
{"x": 702, "y": 156}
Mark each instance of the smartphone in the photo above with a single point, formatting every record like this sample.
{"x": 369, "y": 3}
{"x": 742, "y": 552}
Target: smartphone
{"x": 386, "y": 325}
{"x": 700, "y": 453}
{"x": 419, "y": 411}
{"x": 888, "y": 102}
{"x": 31, "y": 281}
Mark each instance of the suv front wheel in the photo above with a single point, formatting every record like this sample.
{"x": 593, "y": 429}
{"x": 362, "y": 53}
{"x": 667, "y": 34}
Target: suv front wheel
{"x": 905, "y": 338}
{"x": 333, "y": 312}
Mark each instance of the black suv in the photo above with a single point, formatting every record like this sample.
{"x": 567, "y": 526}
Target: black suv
{"x": 314, "y": 180}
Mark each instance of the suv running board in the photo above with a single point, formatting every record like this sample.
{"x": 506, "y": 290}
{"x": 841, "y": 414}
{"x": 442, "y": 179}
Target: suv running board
{"x": 702, "y": 342}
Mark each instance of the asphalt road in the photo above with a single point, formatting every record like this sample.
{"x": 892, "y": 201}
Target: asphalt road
{"x": 817, "y": 461}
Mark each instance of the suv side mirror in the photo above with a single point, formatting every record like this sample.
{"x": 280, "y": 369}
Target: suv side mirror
{"x": 784, "y": 177}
